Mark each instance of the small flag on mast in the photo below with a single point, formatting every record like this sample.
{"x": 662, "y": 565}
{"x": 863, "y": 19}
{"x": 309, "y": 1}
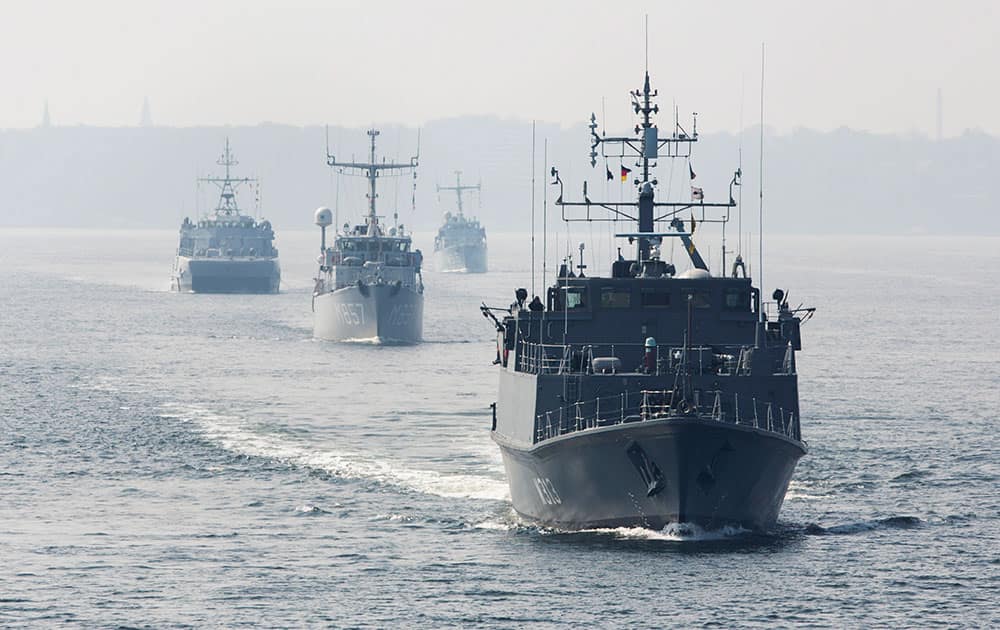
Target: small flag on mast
{"x": 692, "y": 223}
{"x": 697, "y": 194}
{"x": 608, "y": 169}
{"x": 625, "y": 172}
{"x": 691, "y": 170}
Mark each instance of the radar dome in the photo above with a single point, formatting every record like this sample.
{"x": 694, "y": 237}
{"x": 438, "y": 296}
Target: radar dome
{"x": 694, "y": 274}
{"x": 324, "y": 217}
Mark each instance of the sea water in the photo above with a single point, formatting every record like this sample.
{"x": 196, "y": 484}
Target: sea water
{"x": 200, "y": 460}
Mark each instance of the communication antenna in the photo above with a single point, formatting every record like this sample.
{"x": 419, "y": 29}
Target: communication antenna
{"x": 371, "y": 170}
{"x": 760, "y": 207}
{"x": 459, "y": 188}
{"x": 533, "y": 209}
{"x": 228, "y": 184}
{"x": 336, "y": 202}
{"x": 395, "y": 190}
{"x": 413, "y": 196}
{"x": 257, "y": 197}
{"x": 646, "y": 68}
{"x": 545, "y": 212}
{"x": 739, "y": 211}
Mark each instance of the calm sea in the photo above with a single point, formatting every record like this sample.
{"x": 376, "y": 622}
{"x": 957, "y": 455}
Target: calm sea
{"x": 192, "y": 460}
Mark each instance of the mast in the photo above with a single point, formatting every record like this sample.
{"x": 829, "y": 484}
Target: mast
{"x": 646, "y": 146}
{"x": 371, "y": 170}
{"x": 228, "y": 184}
{"x": 459, "y": 189}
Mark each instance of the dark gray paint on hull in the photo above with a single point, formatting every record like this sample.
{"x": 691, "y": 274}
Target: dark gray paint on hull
{"x": 653, "y": 473}
{"x": 384, "y": 312}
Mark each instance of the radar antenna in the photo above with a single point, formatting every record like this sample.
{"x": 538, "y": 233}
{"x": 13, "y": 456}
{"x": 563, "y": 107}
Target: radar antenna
{"x": 459, "y": 188}
{"x": 371, "y": 170}
{"x": 645, "y": 146}
{"x": 228, "y": 184}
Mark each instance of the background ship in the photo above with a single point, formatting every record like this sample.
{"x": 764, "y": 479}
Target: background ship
{"x": 369, "y": 285}
{"x": 228, "y": 251}
{"x": 649, "y": 397}
{"x": 460, "y": 244}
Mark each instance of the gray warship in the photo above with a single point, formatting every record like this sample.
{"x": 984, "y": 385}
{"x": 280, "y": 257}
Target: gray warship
{"x": 369, "y": 286}
{"x": 460, "y": 244}
{"x": 227, "y": 251}
{"x": 648, "y": 397}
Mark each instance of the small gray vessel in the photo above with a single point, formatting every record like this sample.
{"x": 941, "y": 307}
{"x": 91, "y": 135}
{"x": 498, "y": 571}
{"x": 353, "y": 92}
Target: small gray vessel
{"x": 369, "y": 286}
{"x": 648, "y": 397}
{"x": 460, "y": 244}
{"x": 228, "y": 251}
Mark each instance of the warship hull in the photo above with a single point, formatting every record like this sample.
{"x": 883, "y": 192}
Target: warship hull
{"x": 384, "y": 313}
{"x": 461, "y": 259}
{"x": 650, "y": 474}
{"x": 226, "y": 275}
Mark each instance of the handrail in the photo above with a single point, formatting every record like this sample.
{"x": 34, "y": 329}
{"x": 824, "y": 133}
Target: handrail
{"x": 719, "y": 360}
{"x": 646, "y": 405}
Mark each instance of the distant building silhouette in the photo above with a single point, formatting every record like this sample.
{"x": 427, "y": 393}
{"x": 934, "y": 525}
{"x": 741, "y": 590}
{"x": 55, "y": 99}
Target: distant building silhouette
{"x": 146, "y": 118}
{"x": 45, "y": 115}
{"x": 940, "y": 116}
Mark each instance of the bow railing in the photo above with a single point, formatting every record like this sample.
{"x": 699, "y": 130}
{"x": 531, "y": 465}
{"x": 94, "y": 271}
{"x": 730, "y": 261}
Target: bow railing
{"x": 646, "y": 405}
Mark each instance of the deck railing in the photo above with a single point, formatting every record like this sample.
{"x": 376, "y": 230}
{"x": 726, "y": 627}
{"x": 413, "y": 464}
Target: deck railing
{"x": 642, "y": 406}
{"x": 724, "y": 360}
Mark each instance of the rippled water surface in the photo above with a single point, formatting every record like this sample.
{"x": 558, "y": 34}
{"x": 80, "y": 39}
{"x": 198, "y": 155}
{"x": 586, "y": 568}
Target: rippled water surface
{"x": 191, "y": 460}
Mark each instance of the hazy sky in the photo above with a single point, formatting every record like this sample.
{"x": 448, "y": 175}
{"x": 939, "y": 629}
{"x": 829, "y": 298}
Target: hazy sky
{"x": 872, "y": 65}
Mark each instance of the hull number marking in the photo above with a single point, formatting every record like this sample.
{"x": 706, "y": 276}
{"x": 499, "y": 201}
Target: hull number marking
{"x": 547, "y": 491}
{"x": 401, "y": 314}
{"x": 352, "y": 314}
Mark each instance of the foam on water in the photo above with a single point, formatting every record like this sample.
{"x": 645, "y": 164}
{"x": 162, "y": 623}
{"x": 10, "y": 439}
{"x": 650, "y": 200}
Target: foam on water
{"x": 233, "y": 434}
{"x": 673, "y": 532}
{"x": 792, "y": 495}
{"x": 310, "y": 510}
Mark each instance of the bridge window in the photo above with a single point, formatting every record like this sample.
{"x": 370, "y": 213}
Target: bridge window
{"x": 737, "y": 300}
{"x": 699, "y": 299}
{"x": 656, "y": 298}
{"x": 575, "y": 298}
{"x": 612, "y": 297}
{"x": 572, "y": 297}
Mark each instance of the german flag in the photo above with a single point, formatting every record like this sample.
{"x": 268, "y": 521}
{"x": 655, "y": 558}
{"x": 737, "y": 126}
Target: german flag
{"x": 625, "y": 172}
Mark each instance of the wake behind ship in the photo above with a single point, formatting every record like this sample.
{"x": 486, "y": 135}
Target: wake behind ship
{"x": 227, "y": 252}
{"x": 460, "y": 244}
{"x": 369, "y": 286}
{"x": 649, "y": 397}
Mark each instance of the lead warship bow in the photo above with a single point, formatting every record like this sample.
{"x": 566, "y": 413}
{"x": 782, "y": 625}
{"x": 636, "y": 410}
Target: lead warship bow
{"x": 369, "y": 286}
{"x": 460, "y": 244}
{"x": 648, "y": 397}
{"x": 227, "y": 252}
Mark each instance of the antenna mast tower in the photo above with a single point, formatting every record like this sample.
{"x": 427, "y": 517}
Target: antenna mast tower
{"x": 371, "y": 170}
{"x": 459, "y": 189}
{"x": 228, "y": 184}
{"x": 646, "y": 147}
